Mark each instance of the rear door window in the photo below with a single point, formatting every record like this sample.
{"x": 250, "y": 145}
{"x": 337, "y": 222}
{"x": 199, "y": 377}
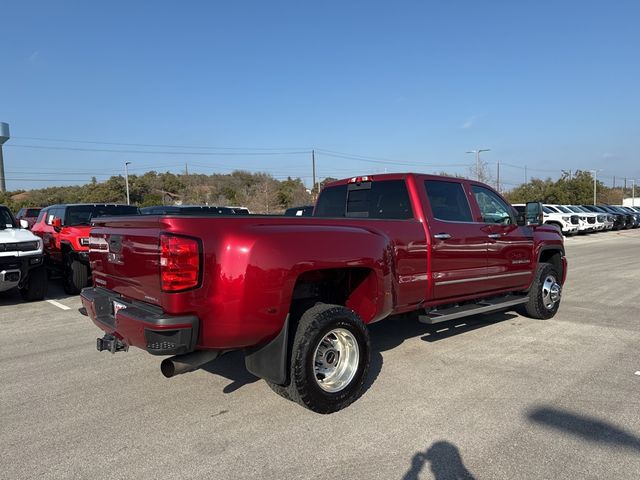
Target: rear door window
{"x": 448, "y": 201}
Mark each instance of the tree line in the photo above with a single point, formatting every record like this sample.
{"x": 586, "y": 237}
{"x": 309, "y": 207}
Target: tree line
{"x": 569, "y": 189}
{"x": 262, "y": 193}
{"x": 259, "y": 192}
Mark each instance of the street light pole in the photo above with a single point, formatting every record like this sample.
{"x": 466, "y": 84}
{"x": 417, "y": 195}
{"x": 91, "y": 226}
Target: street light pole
{"x": 633, "y": 193}
{"x": 313, "y": 168}
{"x": 126, "y": 179}
{"x": 477, "y": 152}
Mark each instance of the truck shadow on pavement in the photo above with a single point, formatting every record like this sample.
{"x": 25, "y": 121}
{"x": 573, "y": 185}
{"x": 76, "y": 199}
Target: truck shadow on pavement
{"x": 587, "y": 428}
{"x": 391, "y": 333}
{"x": 231, "y": 366}
{"x": 385, "y": 335}
{"x": 444, "y": 461}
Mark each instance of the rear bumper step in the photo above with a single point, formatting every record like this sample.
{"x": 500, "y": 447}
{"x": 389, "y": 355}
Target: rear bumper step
{"x": 485, "y": 306}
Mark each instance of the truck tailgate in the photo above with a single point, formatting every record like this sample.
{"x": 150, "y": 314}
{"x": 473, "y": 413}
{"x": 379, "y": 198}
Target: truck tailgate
{"x": 125, "y": 257}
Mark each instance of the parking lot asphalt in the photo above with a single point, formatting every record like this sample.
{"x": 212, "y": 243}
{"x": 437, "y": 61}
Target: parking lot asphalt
{"x": 497, "y": 396}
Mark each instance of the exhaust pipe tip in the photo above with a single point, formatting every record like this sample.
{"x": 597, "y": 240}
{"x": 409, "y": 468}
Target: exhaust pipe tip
{"x": 178, "y": 364}
{"x": 167, "y": 367}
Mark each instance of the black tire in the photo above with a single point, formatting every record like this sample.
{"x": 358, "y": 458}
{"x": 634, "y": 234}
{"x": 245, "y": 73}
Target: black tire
{"x": 316, "y": 324}
{"x": 76, "y": 276}
{"x": 541, "y": 305}
{"x": 36, "y": 285}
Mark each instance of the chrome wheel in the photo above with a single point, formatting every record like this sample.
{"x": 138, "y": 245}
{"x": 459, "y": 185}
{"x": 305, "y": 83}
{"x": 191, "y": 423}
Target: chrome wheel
{"x": 551, "y": 292}
{"x": 335, "y": 360}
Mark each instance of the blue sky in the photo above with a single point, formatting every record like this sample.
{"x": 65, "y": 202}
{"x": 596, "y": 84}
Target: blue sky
{"x": 550, "y": 85}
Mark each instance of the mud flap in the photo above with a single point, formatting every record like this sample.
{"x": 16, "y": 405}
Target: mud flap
{"x": 269, "y": 361}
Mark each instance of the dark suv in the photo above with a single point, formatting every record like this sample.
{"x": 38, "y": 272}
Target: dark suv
{"x": 64, "y": 230}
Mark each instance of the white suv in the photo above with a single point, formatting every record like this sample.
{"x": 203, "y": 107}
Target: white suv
{"x": 21, "y": 259}
{"x": 583, "y": 224}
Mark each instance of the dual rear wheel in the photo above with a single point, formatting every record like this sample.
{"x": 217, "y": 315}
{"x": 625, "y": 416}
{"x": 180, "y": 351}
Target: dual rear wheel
{"x": 330, "y": 358}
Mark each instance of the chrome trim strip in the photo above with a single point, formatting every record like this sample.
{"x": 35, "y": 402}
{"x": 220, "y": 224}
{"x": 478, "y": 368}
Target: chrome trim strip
{"x": 486, "y": 277}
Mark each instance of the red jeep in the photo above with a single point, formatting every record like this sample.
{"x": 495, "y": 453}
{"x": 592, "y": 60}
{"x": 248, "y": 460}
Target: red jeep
{"x": 296, "y": 293}
{"x": 64, "y": 230}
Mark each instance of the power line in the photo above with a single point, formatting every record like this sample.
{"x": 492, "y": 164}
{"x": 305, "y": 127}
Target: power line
{"x": 387, "y": 162}
{"x": 153, "y": 152}
{"x": 195, "y": 147}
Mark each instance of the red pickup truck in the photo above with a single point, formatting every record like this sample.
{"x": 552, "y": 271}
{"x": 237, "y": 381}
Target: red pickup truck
{"x": 296, "y": 293}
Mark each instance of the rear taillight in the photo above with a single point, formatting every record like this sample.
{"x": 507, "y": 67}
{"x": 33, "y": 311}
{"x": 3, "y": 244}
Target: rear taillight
{"x": 179, "y": 263}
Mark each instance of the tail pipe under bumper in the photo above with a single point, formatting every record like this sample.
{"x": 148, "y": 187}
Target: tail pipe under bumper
{"x": 172, "y": 366}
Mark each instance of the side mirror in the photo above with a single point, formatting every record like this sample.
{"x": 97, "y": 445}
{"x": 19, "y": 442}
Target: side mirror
{"x": 56, "y": 224}
{"x": 24, "y": 223}
{"x": 533, "y": 214}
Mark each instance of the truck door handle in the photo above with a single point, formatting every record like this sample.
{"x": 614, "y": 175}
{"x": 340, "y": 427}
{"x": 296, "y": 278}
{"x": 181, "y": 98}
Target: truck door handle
{"x": 442, "y": 236}
{"x": 494, "y": 235}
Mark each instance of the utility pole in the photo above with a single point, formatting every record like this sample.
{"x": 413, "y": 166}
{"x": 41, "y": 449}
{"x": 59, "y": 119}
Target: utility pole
{"x": 4, "y": 136}
{"x": 126, "y": 179}
{"x": 614, "y": 182}
{"x": 313, "y": 168}
{"x": 525, "y": 175}
{"x": 186, "y": 168}
{"x": 595, "y": 181}
{"x": 498, "y": 176}
{"x": 633, "y": 193}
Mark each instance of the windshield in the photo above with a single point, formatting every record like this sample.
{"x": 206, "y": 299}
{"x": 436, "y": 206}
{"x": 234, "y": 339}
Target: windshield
{"x": 82, "y": 214}
{"x": 574, "y": 209}
{"x": 563, "y": 209}
{"x": 6, "y": 219}
{"x": 32, "y": 212}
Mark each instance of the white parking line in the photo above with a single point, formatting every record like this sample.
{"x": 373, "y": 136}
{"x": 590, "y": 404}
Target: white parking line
{"x": 58, "y": 304}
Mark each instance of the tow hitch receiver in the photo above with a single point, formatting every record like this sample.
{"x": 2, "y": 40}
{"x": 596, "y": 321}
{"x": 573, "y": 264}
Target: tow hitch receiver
{"x": 111, "y": 344}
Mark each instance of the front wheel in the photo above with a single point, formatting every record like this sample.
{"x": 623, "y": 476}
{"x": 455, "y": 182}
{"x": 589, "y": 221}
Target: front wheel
{"x": 329, "y": 359}
{"x": 545, "y": 293}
